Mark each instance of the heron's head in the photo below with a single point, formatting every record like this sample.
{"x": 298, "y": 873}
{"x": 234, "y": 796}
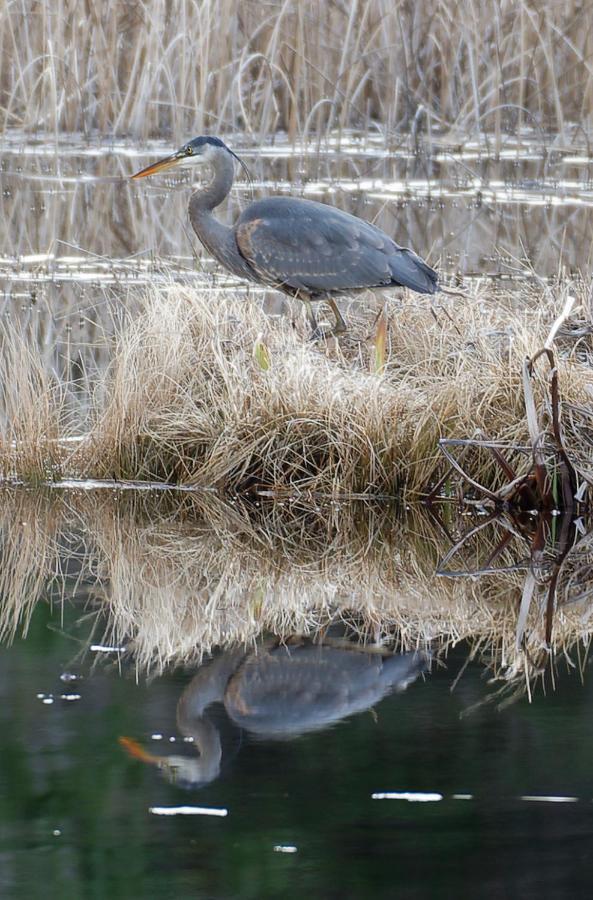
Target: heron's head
{"x": 184, "y": 771}
{"x": 199, "y": 150}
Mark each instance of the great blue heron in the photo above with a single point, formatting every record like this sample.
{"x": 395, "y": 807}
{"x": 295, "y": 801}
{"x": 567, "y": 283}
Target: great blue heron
{"x": 277, "y": 693}
{"x": 308, "y": 250}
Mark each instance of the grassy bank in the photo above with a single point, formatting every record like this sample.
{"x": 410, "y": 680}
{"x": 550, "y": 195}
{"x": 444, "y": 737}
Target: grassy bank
{"x": 205, "y": 390}
{"x": 183, "y": 67}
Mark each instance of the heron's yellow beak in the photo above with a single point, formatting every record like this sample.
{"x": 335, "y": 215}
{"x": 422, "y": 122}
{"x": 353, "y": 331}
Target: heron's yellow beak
{"x": 167, "y": 163}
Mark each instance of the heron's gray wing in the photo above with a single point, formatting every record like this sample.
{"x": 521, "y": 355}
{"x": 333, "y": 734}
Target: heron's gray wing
{"x": 298, "y": 689}
{"x": 313, "y": 247}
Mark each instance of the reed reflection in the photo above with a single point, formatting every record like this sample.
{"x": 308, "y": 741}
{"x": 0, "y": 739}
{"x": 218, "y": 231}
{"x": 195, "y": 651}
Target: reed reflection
{"x": 174, "y": 579}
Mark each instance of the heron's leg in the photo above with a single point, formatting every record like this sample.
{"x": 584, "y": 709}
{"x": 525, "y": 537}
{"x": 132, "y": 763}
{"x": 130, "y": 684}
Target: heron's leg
{"x": 310, "y": 314}
{"x": 341, "y": 326}
{"x": 316, "y": 332}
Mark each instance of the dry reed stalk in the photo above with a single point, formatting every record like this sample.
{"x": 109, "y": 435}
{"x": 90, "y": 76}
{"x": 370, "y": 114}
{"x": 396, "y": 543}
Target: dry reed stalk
{"x": 182, "y": 67}
{"x": 31, "y": 404}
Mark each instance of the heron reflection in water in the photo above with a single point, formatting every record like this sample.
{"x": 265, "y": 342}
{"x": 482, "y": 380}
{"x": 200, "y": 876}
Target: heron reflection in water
{"x": 308, "y": 250}
{"x": 278, "y": 693}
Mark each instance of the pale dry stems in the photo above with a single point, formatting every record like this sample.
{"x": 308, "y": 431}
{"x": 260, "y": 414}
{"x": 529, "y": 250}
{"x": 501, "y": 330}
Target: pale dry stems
{"x": 204, "y": 389}
{"x": 188, "y": 400}
{"x": 180, "y": 67}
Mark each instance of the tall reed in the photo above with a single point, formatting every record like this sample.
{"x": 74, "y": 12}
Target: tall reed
{"x": 181, "y": 66}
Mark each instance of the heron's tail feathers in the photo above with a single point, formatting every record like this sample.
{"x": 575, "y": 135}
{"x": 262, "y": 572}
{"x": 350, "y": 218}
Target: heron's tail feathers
{"x": 408, "y": 270}
{"x": 401, "y": 669}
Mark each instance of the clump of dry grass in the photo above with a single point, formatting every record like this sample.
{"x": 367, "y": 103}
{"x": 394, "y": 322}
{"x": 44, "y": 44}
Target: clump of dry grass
{"x": 31, "y": 405}
{"x": 302, "y": 66}
{"x": 189, "y": 400}
{"x": 206, "y": 390}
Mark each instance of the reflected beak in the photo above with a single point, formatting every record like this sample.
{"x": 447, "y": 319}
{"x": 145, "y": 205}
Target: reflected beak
{"x": 171, "y": 766}
{"x": 167, "y": 163}
{"x": 138, "y": 752}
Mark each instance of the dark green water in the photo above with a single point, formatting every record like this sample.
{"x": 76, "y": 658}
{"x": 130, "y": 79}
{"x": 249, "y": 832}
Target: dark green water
{"x": 74, "y": 807}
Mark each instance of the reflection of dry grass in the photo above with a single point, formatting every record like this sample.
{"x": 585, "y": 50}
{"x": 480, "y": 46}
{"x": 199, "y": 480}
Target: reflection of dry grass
{"x": 37, "y": 554}
{"x": 297, "y": 65}
{"x": 204, "y": 389}
{"x": 181, "y": 576}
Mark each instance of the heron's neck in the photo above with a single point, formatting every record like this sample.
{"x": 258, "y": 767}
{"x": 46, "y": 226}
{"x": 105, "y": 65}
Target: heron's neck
{"x": 217, "y": 238}
{"x": 207, "y": 687}
{"x": 206, "y": 740}
{"x": 207, "y": 199}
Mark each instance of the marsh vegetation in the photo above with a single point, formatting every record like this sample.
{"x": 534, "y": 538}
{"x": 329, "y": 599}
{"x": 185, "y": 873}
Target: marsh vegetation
{"x": 206, "y": 390}
{"x": 128, "y": 359}
{"x": 185, "y": 474}
{"x": 299, "y": 67}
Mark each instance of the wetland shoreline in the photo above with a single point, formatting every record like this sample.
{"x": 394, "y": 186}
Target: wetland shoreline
{"x": 208, "y": 391}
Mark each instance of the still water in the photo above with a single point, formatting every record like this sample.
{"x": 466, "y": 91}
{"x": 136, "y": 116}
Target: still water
{"x": 120, "y": 734}
{"x": 302, "y": 821}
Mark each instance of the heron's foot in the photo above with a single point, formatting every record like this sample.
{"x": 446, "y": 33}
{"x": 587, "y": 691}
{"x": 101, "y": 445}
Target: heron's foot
{"x": 323, "y": 331}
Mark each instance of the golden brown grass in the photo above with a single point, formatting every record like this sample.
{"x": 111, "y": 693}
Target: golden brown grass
{"x": 180, "y": 67}
{"x": 206, "y": 390}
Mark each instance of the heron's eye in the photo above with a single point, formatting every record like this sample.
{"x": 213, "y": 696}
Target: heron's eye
{"x": 189, "y": 151}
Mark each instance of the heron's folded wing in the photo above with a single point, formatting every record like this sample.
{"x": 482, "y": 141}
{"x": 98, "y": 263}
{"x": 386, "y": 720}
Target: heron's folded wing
{"x": 313, "y": 247}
